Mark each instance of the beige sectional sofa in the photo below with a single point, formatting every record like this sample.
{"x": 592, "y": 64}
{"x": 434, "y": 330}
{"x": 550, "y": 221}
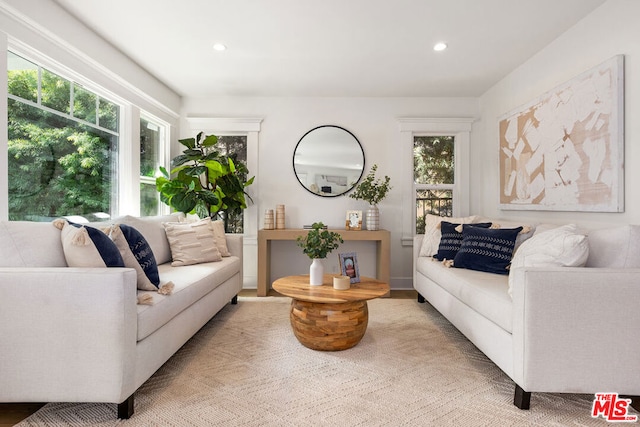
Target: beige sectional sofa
{"x": 71, "y": 334}
{"x": 551, "y": 327}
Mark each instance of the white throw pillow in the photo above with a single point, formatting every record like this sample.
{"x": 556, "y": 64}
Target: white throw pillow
{"x": 432, "y": 235}
{"x": 560, "y": 247}
{"x": 192, "y": 242}
{"x": 221, "y": 240}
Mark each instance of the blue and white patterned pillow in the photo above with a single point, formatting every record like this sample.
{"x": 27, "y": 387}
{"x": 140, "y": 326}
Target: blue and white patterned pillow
{"x": 136, "y": 254}
{"x": 486, "y": 249}
{"x": 143, "y": 253}
{"x": 451, "y": 239}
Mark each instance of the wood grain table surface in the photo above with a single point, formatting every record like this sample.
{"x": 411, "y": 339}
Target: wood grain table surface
{"x": 298, "y": 287}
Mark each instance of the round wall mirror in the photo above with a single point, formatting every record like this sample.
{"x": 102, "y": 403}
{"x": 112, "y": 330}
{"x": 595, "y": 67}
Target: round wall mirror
{"x": 328, "y": 161}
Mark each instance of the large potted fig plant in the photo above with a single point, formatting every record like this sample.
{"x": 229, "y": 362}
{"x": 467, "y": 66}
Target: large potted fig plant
{"x": 205, "y": 181}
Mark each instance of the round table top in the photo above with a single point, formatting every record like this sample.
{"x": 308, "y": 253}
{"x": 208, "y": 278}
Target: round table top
{"x": 298, "y": 287}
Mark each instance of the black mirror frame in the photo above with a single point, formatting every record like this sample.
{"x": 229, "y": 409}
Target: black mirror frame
{"x": 329, "y": 195}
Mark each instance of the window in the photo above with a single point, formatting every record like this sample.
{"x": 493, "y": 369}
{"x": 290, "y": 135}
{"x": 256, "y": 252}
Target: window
{"x": 63, "y": 144}
{"x": 433, "y": 177}
{"x": 435, "y": 170}
{"x": 152, "y": 143}
{"x": 234, "y": 146}
{"x": 239, "y": 136}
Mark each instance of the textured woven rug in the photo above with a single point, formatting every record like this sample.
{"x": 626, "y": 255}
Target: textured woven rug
{"x": 245, "y": 368}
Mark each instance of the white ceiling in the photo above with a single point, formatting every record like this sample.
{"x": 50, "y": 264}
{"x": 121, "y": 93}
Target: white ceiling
{"x": 347, "y": 48}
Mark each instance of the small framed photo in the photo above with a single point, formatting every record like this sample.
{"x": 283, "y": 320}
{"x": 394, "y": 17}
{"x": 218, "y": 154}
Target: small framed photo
{"x": 353, "y": 221}
{"x": 349, "y": 266}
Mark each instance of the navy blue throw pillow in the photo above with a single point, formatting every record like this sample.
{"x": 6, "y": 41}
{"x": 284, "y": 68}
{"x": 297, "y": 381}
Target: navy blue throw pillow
{"x": 451, "y": 239}
{"x": 143, "y": 253}
{"x": 487, "y": 250}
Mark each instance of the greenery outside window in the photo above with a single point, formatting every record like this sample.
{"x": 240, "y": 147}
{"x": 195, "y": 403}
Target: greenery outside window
{"x": 62, "y": 149}
{"x": 234, "y": 146}
{"x": 152, "y": 143}
{"x": 433, "y": 176}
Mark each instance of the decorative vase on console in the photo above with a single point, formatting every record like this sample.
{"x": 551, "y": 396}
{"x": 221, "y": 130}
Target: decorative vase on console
{"x": 373, "y": 218}
{"x": 373, "y": 191}
{"x": 317, "y": 244}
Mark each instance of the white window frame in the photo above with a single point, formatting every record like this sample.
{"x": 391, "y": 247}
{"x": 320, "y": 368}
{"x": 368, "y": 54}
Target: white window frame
{"x": 123, "y": 179}
{"x": 236, "y": 126}
{"x": 128, "y": 179}
{"x": 460, "y": 129}
{"x": 163, "y": 158}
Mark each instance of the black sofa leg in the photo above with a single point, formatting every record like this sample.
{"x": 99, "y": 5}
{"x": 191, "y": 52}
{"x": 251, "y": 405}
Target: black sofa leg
{"x": 421, "y": 299}
{"x": 125, "y": 409}
{"x": 234, "y": 300}
{"x": 521, "y": 398}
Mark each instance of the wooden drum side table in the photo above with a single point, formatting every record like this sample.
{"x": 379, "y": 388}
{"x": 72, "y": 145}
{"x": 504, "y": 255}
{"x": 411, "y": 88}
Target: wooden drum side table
{"x": 323, "y": 318}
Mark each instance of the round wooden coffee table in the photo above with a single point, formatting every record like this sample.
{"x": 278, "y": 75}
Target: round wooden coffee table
{"x": 327, "y": 319}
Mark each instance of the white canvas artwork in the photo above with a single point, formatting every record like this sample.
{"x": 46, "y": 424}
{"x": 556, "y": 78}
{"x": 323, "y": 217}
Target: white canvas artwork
{"x": 565, "y": 150}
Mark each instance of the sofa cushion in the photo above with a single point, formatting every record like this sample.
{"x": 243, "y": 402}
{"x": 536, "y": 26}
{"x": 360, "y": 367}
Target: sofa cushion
{"x": 221, "y": 241}
{"x": 136, "y": 254}
{"x": 483, "y": 292}
{"x": 432, "y": 234}
{"x": 191, "y": 283}
{"x": 528, "y": 229}
{"x": 88, "y": 246}
{"x": 559, "y": 247}
{"x": 191, "y": 242}
{"x": 30, "y": 244}
{"x": 451, "y": 239}
{"x": 617, "y": 247}
{"x": 153, "y": 231}
{"x": 487, "y": 250}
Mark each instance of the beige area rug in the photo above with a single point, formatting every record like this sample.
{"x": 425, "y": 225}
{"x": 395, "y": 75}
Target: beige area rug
{"x": 245, "y": 368}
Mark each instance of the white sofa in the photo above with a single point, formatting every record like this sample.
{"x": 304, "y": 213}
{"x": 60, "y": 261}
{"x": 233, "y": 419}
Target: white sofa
{"x": 78, "y": 335}
{"x": 564, "y": 330}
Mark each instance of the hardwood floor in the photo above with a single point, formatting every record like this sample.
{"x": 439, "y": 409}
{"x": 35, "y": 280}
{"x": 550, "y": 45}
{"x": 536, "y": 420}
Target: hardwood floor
{"x": 13, "y": 413}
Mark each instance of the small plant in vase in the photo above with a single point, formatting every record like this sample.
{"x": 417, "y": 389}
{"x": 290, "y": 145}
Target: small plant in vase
{"x": 373, "y": 191}
{"x": 317, "y": 244}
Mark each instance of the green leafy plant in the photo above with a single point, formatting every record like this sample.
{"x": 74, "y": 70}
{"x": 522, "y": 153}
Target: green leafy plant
{"x": 204, "y": 181}
{"x": 372, "y": 190}
{"x": 319, "y": 242}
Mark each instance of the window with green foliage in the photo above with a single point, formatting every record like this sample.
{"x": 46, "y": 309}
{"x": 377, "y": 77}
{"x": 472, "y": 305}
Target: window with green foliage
{"x": 234, "y": 146}
{"x": 152, "y": 136}
{"x": 63, "y": 146}
{"x": 433, "y": 175}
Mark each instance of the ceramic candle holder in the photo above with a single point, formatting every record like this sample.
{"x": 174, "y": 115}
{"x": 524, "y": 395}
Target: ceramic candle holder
{"x": 341, "y": 282}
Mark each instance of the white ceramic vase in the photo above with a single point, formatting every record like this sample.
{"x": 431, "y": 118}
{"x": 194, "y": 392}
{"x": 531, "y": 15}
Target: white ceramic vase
{"x": 316, "y": 271}
{"x": 373, "y": 218}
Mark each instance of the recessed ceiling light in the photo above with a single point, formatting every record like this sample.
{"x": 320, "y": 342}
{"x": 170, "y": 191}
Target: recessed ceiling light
{"x": 438, "y": 47}
{"x": 219, "y": 47}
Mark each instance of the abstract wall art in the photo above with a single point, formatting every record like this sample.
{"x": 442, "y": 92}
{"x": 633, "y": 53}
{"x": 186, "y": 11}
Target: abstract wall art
{"x": 564, "y": 151}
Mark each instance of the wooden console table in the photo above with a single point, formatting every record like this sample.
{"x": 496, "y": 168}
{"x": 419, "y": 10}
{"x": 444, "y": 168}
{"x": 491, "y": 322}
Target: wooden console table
{"x": 265, "y": 237}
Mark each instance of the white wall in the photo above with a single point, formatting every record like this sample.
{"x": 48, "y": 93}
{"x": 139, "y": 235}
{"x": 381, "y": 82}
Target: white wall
{"x": 610, "y": 30}
{"x": 49, "y": 29}
{"x": 373, "y": 121}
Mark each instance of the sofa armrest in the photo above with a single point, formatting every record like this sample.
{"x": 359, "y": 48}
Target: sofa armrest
{"x": 576, "y": 329}
{"x": 235, "y": 244}
{"x": 417, "y": 244}
{"x": 68, "y": 334}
